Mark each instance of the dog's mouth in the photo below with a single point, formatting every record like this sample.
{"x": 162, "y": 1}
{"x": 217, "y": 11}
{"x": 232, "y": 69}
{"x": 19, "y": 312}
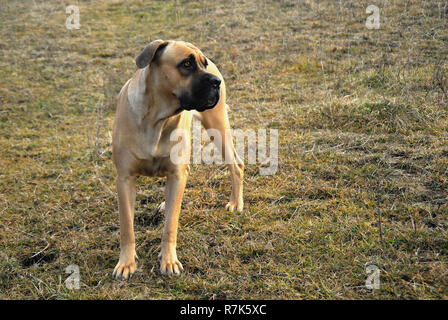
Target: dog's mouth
{"x": 209, "y": 103}
{"x": 179, "y": 110}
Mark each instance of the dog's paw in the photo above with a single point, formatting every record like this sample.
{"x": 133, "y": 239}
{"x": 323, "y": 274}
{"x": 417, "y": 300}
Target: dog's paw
{"x": 125, "y": 268}
{"x": 169, "y": 265}
{"x": 232, "y": 206}
{"x": 161, "y": 208}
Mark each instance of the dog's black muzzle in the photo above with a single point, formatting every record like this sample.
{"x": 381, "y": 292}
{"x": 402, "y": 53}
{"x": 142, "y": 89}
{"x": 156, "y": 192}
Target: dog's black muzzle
{"x": 205, "y": 94}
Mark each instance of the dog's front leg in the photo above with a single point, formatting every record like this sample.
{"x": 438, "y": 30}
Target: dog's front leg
{"x": 175, "y": 186}
{"x": 126, "y": 203}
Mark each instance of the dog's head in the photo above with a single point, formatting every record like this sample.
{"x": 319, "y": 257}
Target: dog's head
{"x": 179, "y": 69}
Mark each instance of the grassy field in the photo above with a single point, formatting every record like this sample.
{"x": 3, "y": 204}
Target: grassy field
{"x": 363, "y": 154}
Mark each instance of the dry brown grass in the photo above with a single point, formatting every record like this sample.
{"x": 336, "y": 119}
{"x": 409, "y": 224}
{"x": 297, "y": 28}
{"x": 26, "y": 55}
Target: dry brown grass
{"x": 362, "y": 120}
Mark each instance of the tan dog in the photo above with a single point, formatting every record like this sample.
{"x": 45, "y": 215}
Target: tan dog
{"x": 174, "y": 82}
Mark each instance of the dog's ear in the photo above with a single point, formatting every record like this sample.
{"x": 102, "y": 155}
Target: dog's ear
{"x": 150, "y": 53}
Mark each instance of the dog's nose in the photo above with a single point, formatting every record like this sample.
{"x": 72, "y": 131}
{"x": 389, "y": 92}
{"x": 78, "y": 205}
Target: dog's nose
{"x": 214, "y": 81}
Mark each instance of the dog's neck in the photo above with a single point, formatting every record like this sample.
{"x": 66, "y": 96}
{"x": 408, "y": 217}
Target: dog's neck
{"x": 151, "y": 112}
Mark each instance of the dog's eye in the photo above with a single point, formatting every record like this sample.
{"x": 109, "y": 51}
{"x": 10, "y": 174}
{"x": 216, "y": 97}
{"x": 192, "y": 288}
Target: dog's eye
{"x": 187, "y": 64}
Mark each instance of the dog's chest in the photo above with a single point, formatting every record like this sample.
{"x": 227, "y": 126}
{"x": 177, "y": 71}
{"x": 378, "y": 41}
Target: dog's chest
{"x": 154, "y": 167}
